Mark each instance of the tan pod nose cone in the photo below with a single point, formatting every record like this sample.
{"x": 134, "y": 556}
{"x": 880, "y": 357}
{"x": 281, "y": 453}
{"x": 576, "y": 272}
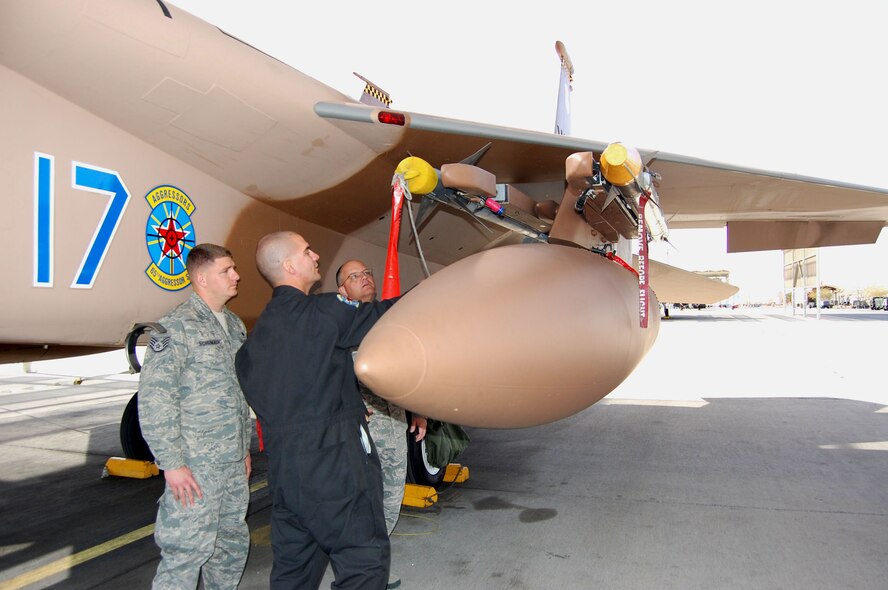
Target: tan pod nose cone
{"x": 511, "y": 337}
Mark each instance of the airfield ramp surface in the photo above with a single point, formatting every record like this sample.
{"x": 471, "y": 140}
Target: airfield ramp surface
{"x": 749, "y": 450}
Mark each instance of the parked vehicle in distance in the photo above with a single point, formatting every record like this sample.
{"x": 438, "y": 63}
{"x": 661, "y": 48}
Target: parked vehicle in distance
{"x": 825, "y": 304}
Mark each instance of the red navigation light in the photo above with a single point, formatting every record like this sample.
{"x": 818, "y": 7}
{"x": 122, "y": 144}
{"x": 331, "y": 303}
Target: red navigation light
{"x": 390, "y": 118}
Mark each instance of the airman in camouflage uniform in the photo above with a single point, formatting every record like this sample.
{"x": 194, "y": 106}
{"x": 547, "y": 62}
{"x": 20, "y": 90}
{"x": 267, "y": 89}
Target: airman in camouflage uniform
{"x": 388, "y": 422}
{"x": 197, "y": 424}
{"x": 387, "y": 426}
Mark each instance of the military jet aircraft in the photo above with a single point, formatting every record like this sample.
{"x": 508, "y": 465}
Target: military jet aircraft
{"x": 134, "y": 130}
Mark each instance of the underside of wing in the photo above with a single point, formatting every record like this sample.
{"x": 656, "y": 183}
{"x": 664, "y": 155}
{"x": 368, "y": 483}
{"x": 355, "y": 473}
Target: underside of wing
{"x": 767, "y": 210}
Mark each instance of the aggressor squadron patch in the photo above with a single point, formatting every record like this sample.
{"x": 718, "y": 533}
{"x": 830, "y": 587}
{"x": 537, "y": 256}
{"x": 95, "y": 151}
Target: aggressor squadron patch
{"x": 169, "y": 235}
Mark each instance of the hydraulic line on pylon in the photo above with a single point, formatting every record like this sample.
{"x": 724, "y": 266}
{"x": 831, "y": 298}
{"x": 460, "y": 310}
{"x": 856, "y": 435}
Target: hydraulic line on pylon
{"x": 621, "y": 262}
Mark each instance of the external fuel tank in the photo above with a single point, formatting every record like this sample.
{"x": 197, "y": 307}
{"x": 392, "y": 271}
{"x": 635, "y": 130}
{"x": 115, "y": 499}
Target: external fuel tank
{"x": 510, "y": 337}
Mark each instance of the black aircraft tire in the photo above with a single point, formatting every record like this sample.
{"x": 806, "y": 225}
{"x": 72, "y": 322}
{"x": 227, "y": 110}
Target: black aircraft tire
{"x": 418, "y": 469}
{"x": 134, "y": 446}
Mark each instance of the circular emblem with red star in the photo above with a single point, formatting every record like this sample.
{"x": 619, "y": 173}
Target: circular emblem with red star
{"x": 169, "y": 235}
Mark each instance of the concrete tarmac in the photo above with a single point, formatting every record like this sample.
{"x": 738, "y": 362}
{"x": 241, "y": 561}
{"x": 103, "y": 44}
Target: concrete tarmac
{"x": 748, "y": 450}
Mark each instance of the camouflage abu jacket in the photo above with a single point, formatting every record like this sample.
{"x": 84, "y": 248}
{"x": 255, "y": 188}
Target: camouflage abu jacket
{"x": 191, "y": 407}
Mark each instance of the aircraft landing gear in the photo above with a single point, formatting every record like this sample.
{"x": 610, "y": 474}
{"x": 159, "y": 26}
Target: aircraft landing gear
{"x": 134, "y": 446}
{"x": 419, "y": 470}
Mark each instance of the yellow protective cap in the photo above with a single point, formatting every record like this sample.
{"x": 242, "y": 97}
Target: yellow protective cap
{"x": 620, "y": 164}
{"x": 420, "y": 176}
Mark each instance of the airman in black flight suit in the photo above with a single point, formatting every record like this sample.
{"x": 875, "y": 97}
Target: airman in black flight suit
{"x": 296, "y": 372}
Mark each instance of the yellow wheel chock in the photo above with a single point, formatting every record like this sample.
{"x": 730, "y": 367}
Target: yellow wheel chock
{"x": 120, "y": 467}
{"x": 419, "y": 496}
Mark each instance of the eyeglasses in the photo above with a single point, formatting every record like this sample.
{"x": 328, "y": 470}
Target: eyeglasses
{"x": 367, "y": 272}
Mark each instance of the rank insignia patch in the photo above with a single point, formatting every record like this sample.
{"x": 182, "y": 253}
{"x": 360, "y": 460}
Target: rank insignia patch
{"x": 158, "y": 342}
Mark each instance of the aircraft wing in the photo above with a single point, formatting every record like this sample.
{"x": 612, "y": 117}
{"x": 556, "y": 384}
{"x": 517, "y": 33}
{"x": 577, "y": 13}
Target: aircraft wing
{"x": 272, "y": 133}
{"x": 767, "y": 210}
{"x": 133, "y": 131}
{"x": 763, "y": 210}
{"x": 142, "y": 94}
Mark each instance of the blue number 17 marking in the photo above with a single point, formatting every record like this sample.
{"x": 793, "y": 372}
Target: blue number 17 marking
{"x": 87, "y": 178}
{"x": 105, "y": 182}
{"x": 43, "y": 219}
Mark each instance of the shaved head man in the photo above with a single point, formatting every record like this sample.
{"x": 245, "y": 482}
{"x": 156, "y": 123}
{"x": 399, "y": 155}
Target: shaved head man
{"x": 297, "y": 373}
{"x": 285, "y": 258}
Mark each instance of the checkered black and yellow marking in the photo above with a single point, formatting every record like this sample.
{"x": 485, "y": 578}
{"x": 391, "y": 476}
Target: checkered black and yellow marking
{"x": 378, "y": 94}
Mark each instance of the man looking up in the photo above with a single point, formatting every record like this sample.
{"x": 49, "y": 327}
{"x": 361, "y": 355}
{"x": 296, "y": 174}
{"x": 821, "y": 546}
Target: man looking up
{"x": 297, "y": 374}
{"x": 388, "y": 422}
{"x": 197, "y": 424}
